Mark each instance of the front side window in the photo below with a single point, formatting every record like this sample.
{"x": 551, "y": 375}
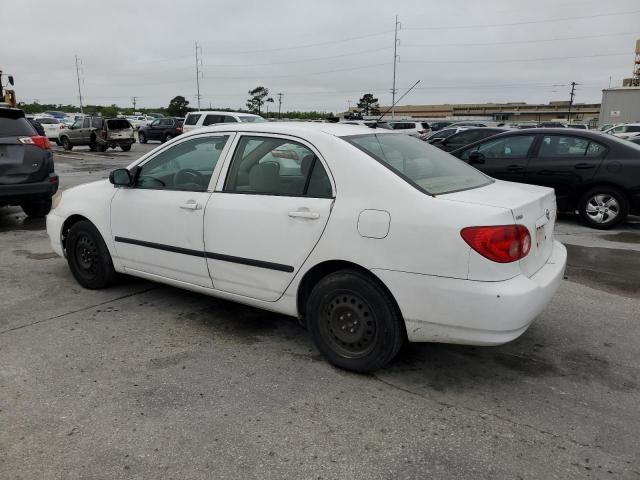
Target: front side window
{"x": 185, "y": 166}
{"x": 425, "y": 167}
{"x": 276, "y": 166}
{"x": 510, "y": 147}
{"x": 192, "y": 119}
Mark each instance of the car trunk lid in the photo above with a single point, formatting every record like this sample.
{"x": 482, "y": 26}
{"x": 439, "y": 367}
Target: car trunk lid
{"x": 531, "y": 206}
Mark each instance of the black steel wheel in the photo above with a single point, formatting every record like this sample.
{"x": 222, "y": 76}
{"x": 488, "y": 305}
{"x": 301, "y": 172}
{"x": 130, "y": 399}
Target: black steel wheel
{"x": 142, "y": 138}
{"x": 354, "y": 322}
{"x": 88, "y": 257}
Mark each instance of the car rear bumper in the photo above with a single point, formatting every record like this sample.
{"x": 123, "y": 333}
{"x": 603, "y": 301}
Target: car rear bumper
{"x": 117, "y": 142}
{"x": 20, "y": 192}
{"x": 447, "y": 310}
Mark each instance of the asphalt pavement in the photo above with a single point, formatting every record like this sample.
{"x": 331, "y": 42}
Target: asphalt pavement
{"x": 145, "y": 381}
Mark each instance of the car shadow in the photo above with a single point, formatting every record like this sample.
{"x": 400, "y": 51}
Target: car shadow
{"x": 12, "y": 219}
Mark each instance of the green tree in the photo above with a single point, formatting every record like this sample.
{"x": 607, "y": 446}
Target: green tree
{"x": 369, "y": 105}
{"x": 178, "y": 107}
{"x": 259, "y": 96}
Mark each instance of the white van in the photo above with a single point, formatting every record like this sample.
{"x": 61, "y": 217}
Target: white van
{"x": 195, "y": 120}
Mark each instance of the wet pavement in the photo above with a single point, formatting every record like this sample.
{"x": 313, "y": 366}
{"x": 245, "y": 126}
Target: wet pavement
{"x": 146, "y": 381}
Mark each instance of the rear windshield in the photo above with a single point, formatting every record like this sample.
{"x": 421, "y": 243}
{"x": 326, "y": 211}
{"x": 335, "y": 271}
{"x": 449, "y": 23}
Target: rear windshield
{"x": 427, "y": 168}
{"x": 251, "y": 119}
{"x": 118, "y": 124}
{"x": 47, "y": 121}
{"x": 15, "y": 127}
{"x": 192, "y": 119}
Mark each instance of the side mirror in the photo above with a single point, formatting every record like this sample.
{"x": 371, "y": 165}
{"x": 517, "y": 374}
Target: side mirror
{"x": 120, "y": 177}
{"x": 476, "y": 157}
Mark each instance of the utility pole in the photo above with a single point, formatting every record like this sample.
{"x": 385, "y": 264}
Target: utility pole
{"x": 573, "y": 89}
{"x": 133, "y": 99}
{"x": 79, "y": 90}
{"x": 395, "y": 59}
{"x": 280, "y": 95}
{"x": 197, "y": 76}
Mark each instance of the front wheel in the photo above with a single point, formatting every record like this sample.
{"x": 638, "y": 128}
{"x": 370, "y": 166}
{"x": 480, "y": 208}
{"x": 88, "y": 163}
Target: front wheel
{"x": 142, "y": 138}
{"x": 66, "y": 143}
{"x": 37, "y": 209}
{"x": 354, "y": 322}
{"x": 603, "y": 207}
{"x": 88, "y": 257}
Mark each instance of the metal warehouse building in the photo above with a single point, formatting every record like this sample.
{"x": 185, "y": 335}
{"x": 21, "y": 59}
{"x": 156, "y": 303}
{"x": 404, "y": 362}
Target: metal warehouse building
{"x": 620, "y": 105}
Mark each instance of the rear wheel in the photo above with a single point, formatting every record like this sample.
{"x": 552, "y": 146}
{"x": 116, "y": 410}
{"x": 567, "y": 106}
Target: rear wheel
{"x": 102, "y": 148}
{"x": 603, "y": 207}
{"x": 37, "y": 208}
{"x": 88, "y": 257}
{"x": 142, "y": 137}
{"x": 92, "y": 144}
{"x": 168, "y": 137}
{"x": 125, "y": 148}
{"x": 66, "y": 143}
{"x": 354, "y": 322}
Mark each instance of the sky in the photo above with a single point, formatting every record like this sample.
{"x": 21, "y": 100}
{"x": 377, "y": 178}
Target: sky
{"x": 322, "y": 55}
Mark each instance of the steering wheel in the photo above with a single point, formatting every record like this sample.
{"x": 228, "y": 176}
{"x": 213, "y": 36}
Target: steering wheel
{"x": 187, "y": 175}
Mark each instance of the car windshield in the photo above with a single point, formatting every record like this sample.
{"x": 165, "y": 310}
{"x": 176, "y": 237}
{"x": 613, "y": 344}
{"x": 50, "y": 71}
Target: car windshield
{"x": 251, "y": 119}
{"x": 425, "y": 167}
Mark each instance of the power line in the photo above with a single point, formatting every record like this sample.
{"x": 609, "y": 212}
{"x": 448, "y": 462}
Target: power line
{"x": 518, "y": 59}
{"x": 531, "y": 22}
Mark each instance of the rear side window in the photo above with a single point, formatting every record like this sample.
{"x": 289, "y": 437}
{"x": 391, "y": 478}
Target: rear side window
{"x": 213, "y": 119}
{"x": 118, "y": 124}
{"x": 192, "y": 119}
{"x": 563, "y": 146}
{"x": 229, "y": 119}
{"x": 633, "y": 128}
{"x": 15, "y": 127}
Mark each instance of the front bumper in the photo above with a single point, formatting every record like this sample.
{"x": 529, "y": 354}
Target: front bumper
{"x": 448, "y": 310}
{"x": 54, "y": 230}
{"x": 14, "y": 194}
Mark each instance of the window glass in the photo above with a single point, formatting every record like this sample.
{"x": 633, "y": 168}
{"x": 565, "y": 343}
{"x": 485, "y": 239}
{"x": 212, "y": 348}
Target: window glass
{"x": 562, "y": 146}
{"x": 184, "y": 166}
{"x": 192, "y": 119}
{"x": 47, "y": 121}
{"x": 251, "y": 119}
{"x": 77, "y": 124}
{"x": 155, "y": 123}
{"x": 275, "y": 166}
{"x": 510, "y": 147}
{"x": 96, "y": 122}
{"x": 86, "y": 123}
{"x": 595, "y": 149}
{"x": 423, "y": 165}
{"x": 118, "y": 124}
{"x": 229, "y": 119}
{"x": 633, "y": 128}
{"x": 213, "y": 119}
{"x": 10, "y": 127}
{"x": 464, "y": 138}
{"x": 167, "y": 122}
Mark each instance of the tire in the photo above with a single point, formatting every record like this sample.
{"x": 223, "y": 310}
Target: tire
{"x": 126, "y": 148}
{"x": 57, "y": 141}
{"x": 66, "y": 143}
{"x": 168, "y": 137}
{"x": 92, "y": 144}
{"x": 102, "y": 148}
{"x": 88, "y": 257}
{"x": 142, "y": 138}
{"x": 354, "y": 322}
{"x": 603, "y": 207}
{"x": 37, "y": 209}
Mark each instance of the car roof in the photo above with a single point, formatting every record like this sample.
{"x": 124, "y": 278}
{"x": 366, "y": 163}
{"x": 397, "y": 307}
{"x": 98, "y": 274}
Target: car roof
{"x": 217, "y": 112}
{"x": 289, "y": 128}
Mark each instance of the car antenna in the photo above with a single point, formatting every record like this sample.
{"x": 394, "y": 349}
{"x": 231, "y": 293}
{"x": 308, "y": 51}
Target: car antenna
{"x": 388, "y": 109}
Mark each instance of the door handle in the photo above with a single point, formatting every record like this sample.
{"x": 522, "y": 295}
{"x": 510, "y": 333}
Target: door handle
{"x": 514, "y": 168}
{"x": 583, "y": 166}
{"x": 305, "y": 214}
{"x": 191, "y": 205}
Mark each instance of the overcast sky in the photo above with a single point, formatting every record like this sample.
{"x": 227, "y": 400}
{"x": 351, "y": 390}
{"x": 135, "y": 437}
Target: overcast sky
{"x": 320, "y": 54}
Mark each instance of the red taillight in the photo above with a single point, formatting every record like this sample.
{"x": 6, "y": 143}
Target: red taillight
{"x": 499, "y": 243}
{"x": 61, "y": 126}
{"x": 54, "y": 179}
{"x": 179, "y": 129}
{"x": 37, "y": 140}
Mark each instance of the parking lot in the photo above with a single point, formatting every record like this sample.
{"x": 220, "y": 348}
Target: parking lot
{"x": 147, "y": 381}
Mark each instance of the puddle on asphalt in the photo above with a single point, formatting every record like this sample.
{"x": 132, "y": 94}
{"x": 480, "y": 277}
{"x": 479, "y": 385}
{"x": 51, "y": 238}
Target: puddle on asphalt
{"x": 624, "y": 237}
{"x": 36, "y": 256}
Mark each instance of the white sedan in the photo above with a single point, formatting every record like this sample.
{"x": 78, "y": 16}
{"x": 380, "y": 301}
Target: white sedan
{"x": 369, "y": 238}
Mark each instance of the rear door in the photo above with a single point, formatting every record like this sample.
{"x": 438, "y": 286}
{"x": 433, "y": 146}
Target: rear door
{"x": 266, "y": 217}
{"x": 504, "y": 158}
{"x": 19, "y": 162}
{"x": 564, "y": 163}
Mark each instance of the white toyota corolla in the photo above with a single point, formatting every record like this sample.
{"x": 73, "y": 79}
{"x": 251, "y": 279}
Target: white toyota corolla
{"x": 369, "y": 238}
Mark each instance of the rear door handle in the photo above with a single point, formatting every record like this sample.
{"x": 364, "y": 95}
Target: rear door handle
{"x": 583, "y": 166}
{"x": 306, "y": 213}
{"x": 191, "y": 205}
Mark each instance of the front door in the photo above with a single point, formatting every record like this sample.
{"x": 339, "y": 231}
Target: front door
{"x": 157, "y": 224}
{"x": 564, "y": 163}
{"x": 154, "y": 131}
{"x": 266, "y": 216}
{"x": 504, "y": 158}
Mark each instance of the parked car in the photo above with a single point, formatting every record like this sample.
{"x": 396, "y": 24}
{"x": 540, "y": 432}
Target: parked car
{"x": 340, "y": 244}
{"x": 366, "y": 123}
{"x": 579, "y": 126}
{"x": 468, "y": 123}
{"x": 626, "y": 131}
{"x": 409, "y": 127}
{"x": 435, "y": 126}
{"x": 98, "y": 133}
{"x": 51, "y": 127}
{"x": 551, "y": 125}
{"x": 56, "y": 114}
{"x": 466, "y": 137}
{"x": 444, "y": 133}
{"x": 27, "y": 175}
{"x": 594, "y": 174}
{"x": 162, "y": 129}
{"x": 201, "y": 119}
